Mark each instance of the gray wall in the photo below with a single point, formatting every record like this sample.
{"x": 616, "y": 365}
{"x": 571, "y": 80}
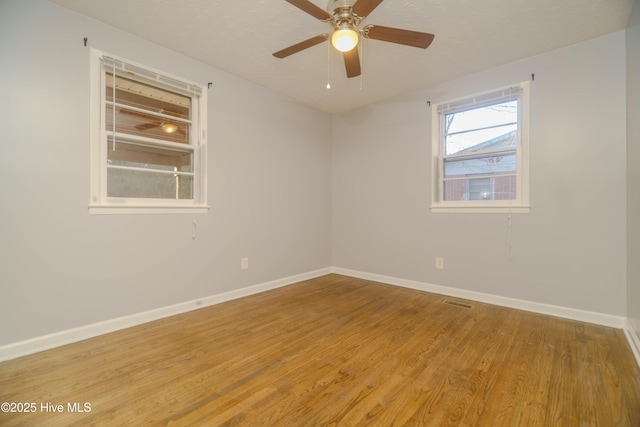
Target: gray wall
{"x": 569, "y": 251}
{"x": 269, "y": 186}
{"x": 633, "y": 168}
{"x": 296, "y": 190}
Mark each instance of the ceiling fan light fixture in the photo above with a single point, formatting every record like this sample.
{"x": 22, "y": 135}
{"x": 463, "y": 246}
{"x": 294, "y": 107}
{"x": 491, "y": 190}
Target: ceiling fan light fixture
{"x": 169, "y": 128}
{"x": 345, "y": 38}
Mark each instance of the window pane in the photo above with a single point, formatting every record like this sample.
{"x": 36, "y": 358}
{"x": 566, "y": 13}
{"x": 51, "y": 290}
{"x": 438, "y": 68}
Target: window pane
{"x": 135, "y": 123}
{"x": 455, "y": 190}
{"x": 479, "y": 126}
{"x": 489, "y": 164}
{"x": 504, "y": 187}
{"x": 142, "y": 184}
{"x": 142, "y": 156}
{"x": 486, "y": 188}
{"x": 491, "y": 115}
{"x": 480, "y": 189}
{"x": 154, "y": 101}
{"x": 482, "y": 140}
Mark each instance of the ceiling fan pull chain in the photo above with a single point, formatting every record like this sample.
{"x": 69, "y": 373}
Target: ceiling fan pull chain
{"x": 328, "y": 66}
{"x": 361, "y": 64}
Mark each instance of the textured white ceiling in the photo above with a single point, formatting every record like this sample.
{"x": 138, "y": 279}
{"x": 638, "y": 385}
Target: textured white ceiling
{"x": 239, "y": 36}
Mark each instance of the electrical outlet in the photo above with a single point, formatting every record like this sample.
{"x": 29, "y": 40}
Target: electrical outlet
{"x": 244, "y": 263}
{"x": 439, "y": 263}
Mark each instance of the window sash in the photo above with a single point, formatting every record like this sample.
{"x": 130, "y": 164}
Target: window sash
{"x": 518, "y": 178}
{"x": 192, "y": 152}
{"x": 141, "y": 183}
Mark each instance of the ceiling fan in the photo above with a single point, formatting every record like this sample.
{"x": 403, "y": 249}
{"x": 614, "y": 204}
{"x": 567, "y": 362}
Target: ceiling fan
{"x": 345, "y": 16}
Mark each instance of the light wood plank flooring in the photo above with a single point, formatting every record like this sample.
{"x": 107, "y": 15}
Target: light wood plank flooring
{"x": 336, "y": 351}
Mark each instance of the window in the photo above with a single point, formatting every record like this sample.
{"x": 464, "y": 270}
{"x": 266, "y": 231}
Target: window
{"x": 480, "y": 151}
{"x": 147, "y": 140}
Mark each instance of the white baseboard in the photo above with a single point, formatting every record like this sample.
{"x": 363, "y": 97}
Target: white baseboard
{"x": 634, "y": 341}
{"x": 535, "y": 307}
{"x": 46, "y": 342}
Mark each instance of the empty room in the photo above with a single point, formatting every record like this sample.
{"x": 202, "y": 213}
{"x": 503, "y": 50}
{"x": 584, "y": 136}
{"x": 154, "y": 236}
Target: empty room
{"x": 320, "y": 212}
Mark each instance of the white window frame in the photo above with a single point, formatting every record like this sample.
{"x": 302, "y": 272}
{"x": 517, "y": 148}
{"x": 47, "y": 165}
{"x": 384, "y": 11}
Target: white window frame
{"x": 100, "y": 203}
{"x": 519, "y": 205}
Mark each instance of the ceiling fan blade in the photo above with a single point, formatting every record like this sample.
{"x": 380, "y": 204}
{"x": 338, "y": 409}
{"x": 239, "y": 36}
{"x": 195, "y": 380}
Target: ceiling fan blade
{"x": 352, "y": 62}
{"x": 145, "y": 126}
{"x": 396, "y": 35}
{"x": 363, "y": 8}
{"x": 301, "y": 46}
{"x": 310, "y": 8}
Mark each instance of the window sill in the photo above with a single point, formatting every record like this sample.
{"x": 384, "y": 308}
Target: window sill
{"x": 481, "y": 209}
{"x": 146, "y": 210}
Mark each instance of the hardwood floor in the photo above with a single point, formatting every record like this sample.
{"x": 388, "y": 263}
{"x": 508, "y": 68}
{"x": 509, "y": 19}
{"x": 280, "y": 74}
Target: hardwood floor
{"x": 335, "y": 351}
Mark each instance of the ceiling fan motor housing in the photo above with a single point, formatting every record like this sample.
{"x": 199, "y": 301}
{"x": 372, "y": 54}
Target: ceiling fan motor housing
{"x": 334, "y": 5}
{"x": 342, "y": 16}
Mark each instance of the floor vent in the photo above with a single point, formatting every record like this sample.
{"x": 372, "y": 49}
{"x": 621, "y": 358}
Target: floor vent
{"x": 457, "y": 304}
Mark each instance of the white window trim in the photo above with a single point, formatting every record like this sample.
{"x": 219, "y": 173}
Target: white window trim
{"x": 521, "y": 204}
{"x": 99, "y": 202}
